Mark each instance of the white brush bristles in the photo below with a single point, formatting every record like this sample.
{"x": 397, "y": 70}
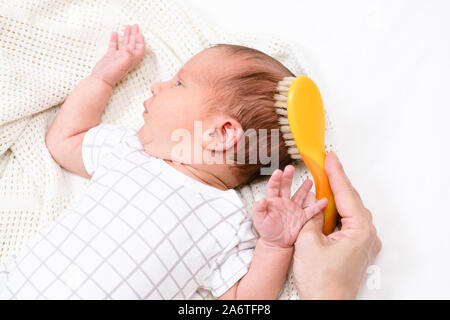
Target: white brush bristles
{"x": 281, "y": 110}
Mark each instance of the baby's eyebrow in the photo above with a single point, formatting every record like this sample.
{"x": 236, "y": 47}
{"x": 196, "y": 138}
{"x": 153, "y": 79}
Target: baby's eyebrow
{"x": 182, "y": 73}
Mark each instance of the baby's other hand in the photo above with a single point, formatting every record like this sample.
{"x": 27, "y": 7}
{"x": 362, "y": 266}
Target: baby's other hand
{"x": 116, "y": 63}
{"x": 278, "y": 217}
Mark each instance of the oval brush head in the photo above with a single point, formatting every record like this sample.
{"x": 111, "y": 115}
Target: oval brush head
{"x": 302, "y": 120}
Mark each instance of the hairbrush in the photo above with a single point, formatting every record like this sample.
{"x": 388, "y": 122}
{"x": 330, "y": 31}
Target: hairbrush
{"x": 301, "y": 116}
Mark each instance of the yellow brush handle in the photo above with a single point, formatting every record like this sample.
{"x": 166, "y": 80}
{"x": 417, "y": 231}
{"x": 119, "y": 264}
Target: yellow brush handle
{"x": 306, "y": 116}
{"x": 323, "y": 190}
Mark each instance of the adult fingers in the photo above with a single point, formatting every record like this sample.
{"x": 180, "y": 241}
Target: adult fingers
{"x": 378, "y": 246}
{"x": 374, "y": 249}
{"x": 286, "y": 181}
{"x": 348, "y": 203}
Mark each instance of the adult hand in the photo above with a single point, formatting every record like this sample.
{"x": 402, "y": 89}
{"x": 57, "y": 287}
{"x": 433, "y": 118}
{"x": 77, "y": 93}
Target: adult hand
{"x": 333, "y": 266}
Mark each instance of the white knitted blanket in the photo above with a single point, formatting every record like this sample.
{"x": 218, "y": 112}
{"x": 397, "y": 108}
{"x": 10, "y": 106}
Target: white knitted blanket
{"x": 46, "y": 48}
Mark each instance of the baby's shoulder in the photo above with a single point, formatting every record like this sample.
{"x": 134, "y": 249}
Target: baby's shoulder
{"x": 129, "y": 142}
{"x": 225, "y": 204}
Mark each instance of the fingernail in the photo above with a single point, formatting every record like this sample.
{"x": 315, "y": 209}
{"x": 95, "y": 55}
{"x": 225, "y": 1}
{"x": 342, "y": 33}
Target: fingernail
{"x": 288, "y": 168}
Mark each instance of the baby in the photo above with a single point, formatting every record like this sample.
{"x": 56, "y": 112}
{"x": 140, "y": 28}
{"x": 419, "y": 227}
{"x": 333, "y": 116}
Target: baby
{"x": 154, "y": 223}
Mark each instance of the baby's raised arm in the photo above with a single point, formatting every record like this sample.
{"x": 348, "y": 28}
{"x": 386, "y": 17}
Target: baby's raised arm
{"x": 84, "y": 106}
{"x": 278, "y": 219}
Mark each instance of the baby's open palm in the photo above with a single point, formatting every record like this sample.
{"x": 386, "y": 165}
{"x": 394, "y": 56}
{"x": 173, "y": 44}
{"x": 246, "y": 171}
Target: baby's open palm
{"x": 118, "y": 61}
{"x": 278, "y": 217}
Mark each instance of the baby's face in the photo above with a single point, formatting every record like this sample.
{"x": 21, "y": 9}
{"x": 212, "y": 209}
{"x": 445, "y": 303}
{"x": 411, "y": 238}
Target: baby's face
{"x": 177, "y": 103}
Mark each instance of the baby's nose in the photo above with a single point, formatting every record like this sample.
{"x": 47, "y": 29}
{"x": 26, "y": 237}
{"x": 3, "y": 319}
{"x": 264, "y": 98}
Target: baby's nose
{"x": 155, "y": 88}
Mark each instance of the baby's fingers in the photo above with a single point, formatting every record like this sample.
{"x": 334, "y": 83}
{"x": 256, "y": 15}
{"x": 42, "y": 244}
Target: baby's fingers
{"x": 260, "y": 208}
{"x": 140, "y": 42}
{"x": 315, "y": 208}
{"x": 309, "y": 200}
{"x": 274, "y": 183}
{"x": 113, "y": 42}
{"x": 134, "y": 32}
{"x": 140, "y": 46}
{"x": 302, "y": 192}
{"x": 126, "y": 36}
{"x": 286, "y": 181}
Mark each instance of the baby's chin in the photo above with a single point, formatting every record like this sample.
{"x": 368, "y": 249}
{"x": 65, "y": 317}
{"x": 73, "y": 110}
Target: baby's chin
{"x": 146, "y": 142}
{"x": 140, "y": 134}
{"x": 143, "y": 136}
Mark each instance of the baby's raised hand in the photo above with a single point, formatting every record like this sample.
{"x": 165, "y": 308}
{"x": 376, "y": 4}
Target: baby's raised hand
{"x": 278, "y": 217}
{"x": 116, "y": 63}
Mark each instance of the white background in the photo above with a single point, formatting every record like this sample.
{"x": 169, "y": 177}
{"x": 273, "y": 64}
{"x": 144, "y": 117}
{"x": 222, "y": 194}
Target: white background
{"x": 384, "y": 73}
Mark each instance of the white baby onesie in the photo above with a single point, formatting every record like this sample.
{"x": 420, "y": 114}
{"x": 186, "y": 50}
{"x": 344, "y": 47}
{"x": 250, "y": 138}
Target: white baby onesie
{"x": 141, "y": 230}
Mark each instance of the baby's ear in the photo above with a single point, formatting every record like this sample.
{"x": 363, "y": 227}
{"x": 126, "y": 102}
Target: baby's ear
{"x": 223, "y": 136}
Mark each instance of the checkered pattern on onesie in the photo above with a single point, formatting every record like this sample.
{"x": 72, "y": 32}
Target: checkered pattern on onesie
{"x": 141, "y": 230}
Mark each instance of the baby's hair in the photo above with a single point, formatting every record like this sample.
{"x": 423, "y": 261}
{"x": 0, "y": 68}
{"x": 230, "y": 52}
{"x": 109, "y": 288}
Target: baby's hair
{"x": 247, "y": 94}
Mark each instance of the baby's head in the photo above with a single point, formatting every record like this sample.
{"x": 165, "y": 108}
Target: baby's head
{"x": 214, "y": 108}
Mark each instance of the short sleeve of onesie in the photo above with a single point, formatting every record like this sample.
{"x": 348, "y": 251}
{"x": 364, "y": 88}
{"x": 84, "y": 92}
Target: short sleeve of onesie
{"x": 99, "y": 141}
{"x": 233, "y": 262}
